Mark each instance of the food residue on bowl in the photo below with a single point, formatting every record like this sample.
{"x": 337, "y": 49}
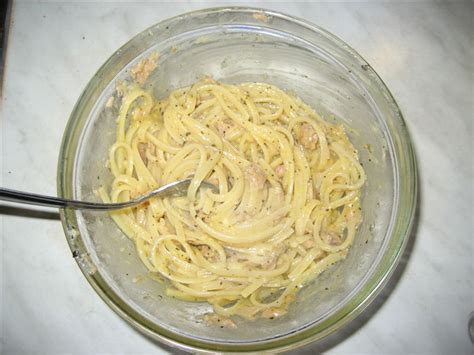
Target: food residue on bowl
{"x": 142, "y": 70}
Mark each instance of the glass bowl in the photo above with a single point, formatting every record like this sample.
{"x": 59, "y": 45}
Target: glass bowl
{"x": 239, "y": 45}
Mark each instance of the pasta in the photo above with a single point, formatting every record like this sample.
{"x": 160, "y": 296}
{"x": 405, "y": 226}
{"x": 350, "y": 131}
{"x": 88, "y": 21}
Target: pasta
{"x": 287, "y": 205}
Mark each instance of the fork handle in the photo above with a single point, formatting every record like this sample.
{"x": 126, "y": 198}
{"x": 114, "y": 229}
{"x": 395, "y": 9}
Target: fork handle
{"x": 49, "y": 201}
{"x": 176, "y": 187}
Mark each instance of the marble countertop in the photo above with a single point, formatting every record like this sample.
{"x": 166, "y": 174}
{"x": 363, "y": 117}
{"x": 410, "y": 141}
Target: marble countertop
{"x": 425, "y": 54}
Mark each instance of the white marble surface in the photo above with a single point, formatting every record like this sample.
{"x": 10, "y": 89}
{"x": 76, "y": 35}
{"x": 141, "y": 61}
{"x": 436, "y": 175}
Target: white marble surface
{"x": 425, "y": 54}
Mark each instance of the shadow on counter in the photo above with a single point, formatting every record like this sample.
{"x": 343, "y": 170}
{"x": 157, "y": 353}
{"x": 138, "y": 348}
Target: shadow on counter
{"x": 8, "y": 210}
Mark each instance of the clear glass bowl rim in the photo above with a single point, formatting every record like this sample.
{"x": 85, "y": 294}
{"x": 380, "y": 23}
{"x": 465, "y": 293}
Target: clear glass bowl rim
{"x": 400, "y": 233}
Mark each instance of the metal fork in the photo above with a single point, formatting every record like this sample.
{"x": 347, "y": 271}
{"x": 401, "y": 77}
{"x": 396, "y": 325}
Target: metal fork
{"x": 174, "y": 188}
